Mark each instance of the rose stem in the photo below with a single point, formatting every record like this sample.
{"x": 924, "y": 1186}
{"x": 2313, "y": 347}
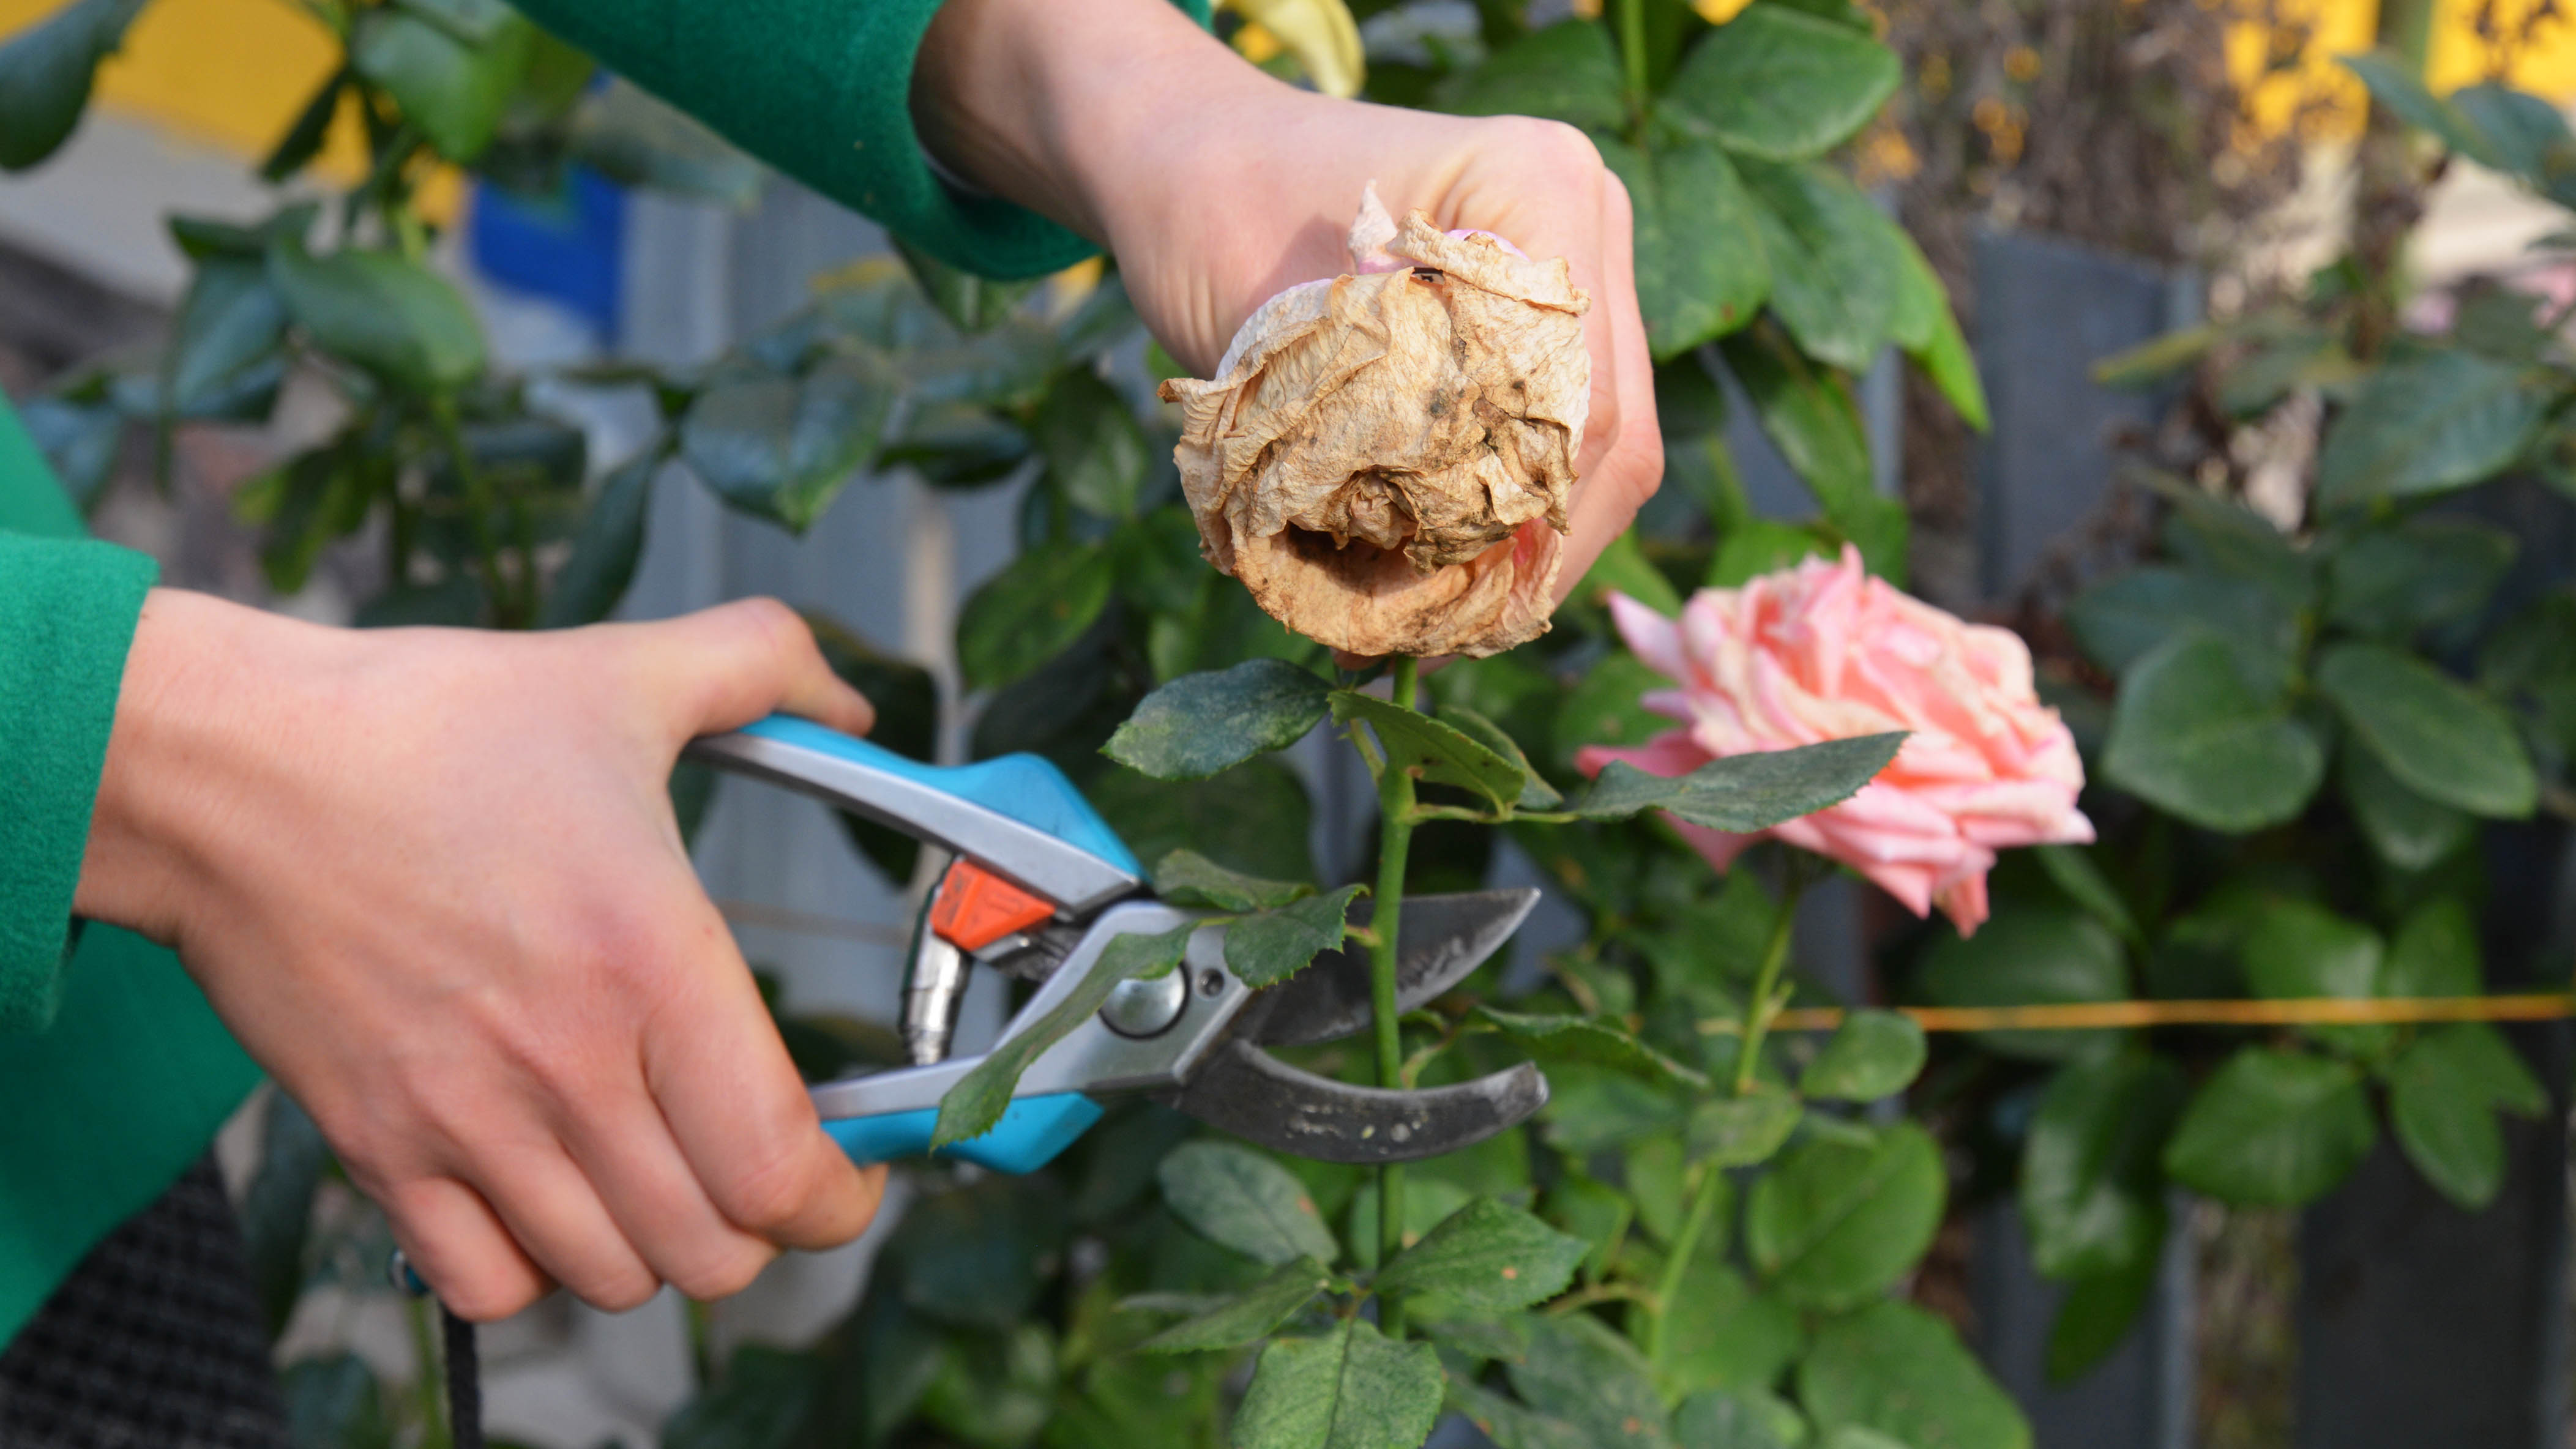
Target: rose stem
{"x": 1758, "y": 1008}
{"x": 1712, "y": 1179}
{"x": 1395, "y": 814}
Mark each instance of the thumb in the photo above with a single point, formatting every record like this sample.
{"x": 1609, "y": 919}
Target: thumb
{"x": 724, "y": 667}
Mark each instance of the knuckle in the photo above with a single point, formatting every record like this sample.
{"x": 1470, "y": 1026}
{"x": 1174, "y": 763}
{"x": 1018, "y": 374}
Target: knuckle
{"x": 773, "y": 1194}
{"x": 619, "y": 1291}
{"x": 487, "y": 1297}
{"x": 1550, "y": 148}
{"x": 723, "y": 1278}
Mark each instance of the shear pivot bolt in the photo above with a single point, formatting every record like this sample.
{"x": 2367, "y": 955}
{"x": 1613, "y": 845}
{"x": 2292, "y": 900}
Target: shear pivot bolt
{"x": 1146, "y": 1007}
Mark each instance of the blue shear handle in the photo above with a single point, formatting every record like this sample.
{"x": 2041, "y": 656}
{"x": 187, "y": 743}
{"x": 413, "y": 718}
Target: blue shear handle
{"x": 1032, "y": 1131}
{"x": 1026, "y": 788}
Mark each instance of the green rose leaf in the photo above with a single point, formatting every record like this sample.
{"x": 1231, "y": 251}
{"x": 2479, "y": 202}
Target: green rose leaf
{"x": 1031, "y": 612}
{"x": 1835, "y": 260}
{"x": 2400, "y": 87}
{"x": 1251, "y": 818}
{"x": 1894, "y": 1368}
{"x": 1834, "y": 1223}
{"x": 45, "y": 73}
{"x": 1782, "y": 85}
{"x": 1592, "y": 1040}
{"x": 1094, "y": 449}
{"x": 1509, "y": 1424}
{"x": 1536, "y": 792}
{"x": 1873, "y": 1054}
{"x": 2032, "y": 954}
{"x": 2441, "y": 1103}
{"x": 1486, "y": 1259}
{"x": 454, "y": 88}
{"x": 2297, "y": 949}
{"x": 606, "y": 550}
{"x": 2409, "y": 831}
{"x": 1249, "y": 1316}
{"x": 2399, "y": 581}
{"x": 2092, "y": 1183}
{"x": 2273, "y": 1128}
{"x": 1578, "y": 1371}
{"x": 2129, "y": 616}
{"x": 1808, "y": 414}
{"x": 380, "y": 312}
{"x": 1702, "y": 270}
{"x": 1603, "y": 707}
{"x": 1929, "y": 332}
{"x": 761, "y": 1403}
{"x": 2094, "y": 1317}
{"x": 2428, "y": 425}
{"x": 1742, "y": 1131}
{"x": 1564, "y": 72}
{"x": 2076, "y": 877}
{"x": 2439, "y": 737}
{"x": 1748, "y": 792}
{"x": 226, "y": 355}
{"x": 1750, "y": 1419}
{"x": 1267, "y": 949}
{"x": 2221, "y": 536}
{"x": 2434, "y": 953}
{"x": 1720, "y": 1334}
{"x": 2190, "y": 736}
{"x": 1202, "y": 723}
{"x": 277, "y": 1209}
{"x": 973, "y": 302}
{"x": 783, "y": 448}
{"x": 971, "y": 1107}
{"x": 1440, "y": 754}
{"x": 1235, "y": 1196}
{"x": 1349, "y": 1389}
{"x": 1187, "y": 878}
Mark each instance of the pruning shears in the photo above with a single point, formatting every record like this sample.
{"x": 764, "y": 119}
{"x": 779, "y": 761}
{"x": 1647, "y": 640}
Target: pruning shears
{"x": 1037, "y": 888}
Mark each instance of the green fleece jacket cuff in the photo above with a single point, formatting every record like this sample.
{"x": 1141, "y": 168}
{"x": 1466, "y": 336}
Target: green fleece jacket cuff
{"x": 822, "y": 90}
{"x": 68, "y": 609}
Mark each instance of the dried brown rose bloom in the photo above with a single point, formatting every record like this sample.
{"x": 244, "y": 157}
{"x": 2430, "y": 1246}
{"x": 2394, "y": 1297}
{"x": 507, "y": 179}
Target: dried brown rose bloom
{"x": 1384, "y": 458}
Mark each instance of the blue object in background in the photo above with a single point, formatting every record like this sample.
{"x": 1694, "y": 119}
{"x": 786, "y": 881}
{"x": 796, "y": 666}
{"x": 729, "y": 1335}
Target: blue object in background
{"x": 568, "y": 248}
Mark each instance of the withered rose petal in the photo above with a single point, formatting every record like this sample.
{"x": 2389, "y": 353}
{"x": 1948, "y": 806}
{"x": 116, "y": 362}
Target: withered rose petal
{"x": 1385, "y": 459}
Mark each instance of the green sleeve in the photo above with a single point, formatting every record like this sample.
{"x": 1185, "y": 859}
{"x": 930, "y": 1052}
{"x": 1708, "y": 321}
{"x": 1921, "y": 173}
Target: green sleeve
{"x": 822, "y": 90}
{"x": 67, "y": 612}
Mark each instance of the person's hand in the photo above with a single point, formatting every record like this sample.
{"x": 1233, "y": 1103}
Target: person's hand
{"x": 431, "y": 880}
{"x": 1216, "y": 186}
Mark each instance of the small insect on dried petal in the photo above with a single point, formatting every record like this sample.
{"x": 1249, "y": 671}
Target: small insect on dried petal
{"x": 1385, "y": 459}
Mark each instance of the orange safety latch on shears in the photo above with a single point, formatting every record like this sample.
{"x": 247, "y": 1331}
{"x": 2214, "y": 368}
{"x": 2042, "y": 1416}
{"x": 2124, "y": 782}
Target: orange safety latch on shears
{"x": 974, "y": 907}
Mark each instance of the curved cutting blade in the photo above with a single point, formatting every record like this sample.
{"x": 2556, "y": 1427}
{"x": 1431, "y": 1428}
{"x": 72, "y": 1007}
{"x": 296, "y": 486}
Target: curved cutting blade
{"x": 1256, "y": 1096}
{"x": 1442, "y": 939}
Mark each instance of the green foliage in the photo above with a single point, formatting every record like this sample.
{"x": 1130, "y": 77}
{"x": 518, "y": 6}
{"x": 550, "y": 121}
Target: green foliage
{"x": 971, "y": 1107}
{"x": 1248, "y": 1317}
{"x": 1746, "y": 792}
{"x": 1873, "y": 1054}
{"x": 1266, "y": 949}
{"x": 1237, "y": 1197}
{"x": 1199, "y": 724}
{"x": 1485, "y": 1259}
{"x": 1894, "y": 1368}
{"x": 2192, "y": 736}
{"x": 1838, "y": 1221}
{"x": 1352, "y": 1388}
{"x": 2273, "y": 1127}
{"x": 45, "y": 73}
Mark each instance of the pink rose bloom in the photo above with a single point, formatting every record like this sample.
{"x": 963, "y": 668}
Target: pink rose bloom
{"x": 1823, "y": 652}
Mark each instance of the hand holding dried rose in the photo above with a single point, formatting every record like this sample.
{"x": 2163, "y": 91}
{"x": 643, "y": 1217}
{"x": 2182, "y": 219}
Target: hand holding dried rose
{"x": 1385, "y": 458}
